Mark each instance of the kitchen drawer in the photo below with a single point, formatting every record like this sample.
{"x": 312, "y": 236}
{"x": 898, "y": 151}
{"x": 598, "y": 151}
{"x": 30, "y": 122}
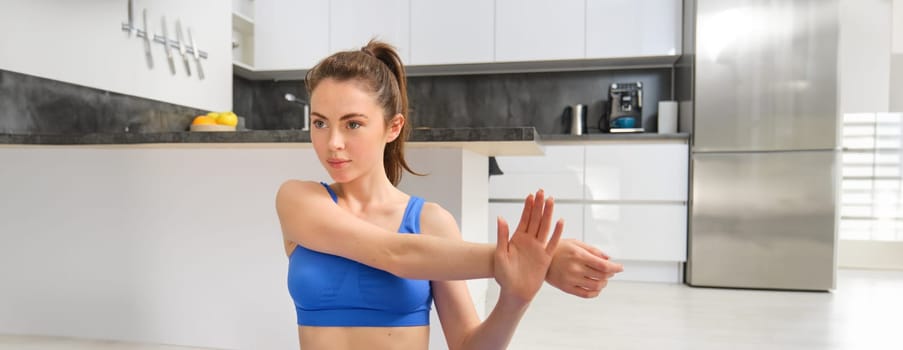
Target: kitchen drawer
{"x": 656, "y": 172}
{"x": 650, "y": 232}
{"x": 561, "y": 185}
{"x": 559, "y": 172}
{"x": 555, "y": 159}
{"x": 571, "y": 213}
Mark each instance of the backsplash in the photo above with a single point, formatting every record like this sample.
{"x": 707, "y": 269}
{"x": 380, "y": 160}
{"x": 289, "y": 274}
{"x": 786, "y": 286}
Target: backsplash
{"x": 488, "y": 100}
{"x": 34, "y": 105}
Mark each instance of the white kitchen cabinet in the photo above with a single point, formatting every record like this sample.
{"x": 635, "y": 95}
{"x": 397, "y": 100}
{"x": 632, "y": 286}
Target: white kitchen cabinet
{"x": 290, "y": 34}
{"x": 452, "y": 32}
{"x": 633, "y": 28}
{"x": 656, "y": 172}
{"x": 639, "y": 232}
{"x": 559, "y": 172}
{"x": 627, "y": 198}
{"x": 531, "y": 30}
{"x": 571, "y": 213}
{"x": 352, "y": 23}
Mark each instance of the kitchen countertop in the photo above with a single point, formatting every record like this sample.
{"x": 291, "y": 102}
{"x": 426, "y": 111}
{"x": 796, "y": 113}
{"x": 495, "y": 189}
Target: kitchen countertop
{"x": 623, "y": 137}
{"x": 487, "y": 141}
{"x": 263, "y": 136}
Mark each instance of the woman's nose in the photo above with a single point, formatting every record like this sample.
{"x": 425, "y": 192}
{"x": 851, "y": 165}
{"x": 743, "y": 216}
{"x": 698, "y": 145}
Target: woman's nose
{"x": 335, "y": 140}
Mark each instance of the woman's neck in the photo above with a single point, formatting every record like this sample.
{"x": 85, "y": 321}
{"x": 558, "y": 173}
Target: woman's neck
{"x": 368, "y": 191}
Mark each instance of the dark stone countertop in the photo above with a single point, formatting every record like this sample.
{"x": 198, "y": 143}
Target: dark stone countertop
{"x": 500, "y": 134}
{"x": 503, "y": 134}
{"x": 501, "y": 141}
{"x": 622, "y": 137}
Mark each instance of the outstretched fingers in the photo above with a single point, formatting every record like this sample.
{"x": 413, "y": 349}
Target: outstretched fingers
{"x": 546, "y": 222}
{"x": 556, "y": 237}
{"x": 525, "y": 215}
{"x": 536, "y": 213}
{"x": 501, "y": 245}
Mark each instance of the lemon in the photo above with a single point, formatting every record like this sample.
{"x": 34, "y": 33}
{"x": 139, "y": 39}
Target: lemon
{"x": 227, "y": 118}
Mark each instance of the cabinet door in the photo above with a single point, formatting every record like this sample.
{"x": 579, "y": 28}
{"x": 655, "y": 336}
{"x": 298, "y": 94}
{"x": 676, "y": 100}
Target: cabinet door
{"x": 648, "y": 232}
{"x": 631, "y": 28}
{"x": 449, "y": 32}
{"x": 290, "y": 34}
{"x": 559, "y": 172}
{"x": 352, "y": 23}
{"x": 531, "y": 30}
{"x": 570, "y": 212}
{"x": 644, "y": 172}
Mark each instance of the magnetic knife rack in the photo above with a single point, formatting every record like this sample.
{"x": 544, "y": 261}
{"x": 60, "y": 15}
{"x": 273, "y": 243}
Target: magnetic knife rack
{"x": 159, "y": 39}
{"x": 183, "y": 48}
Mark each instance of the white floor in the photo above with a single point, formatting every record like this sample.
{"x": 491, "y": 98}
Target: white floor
{"x": 865, "y": 312}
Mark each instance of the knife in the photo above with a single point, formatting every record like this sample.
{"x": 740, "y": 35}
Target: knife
{"x": 182, "y": 47}
{"x": 172, "y": 65}
{"x": 132, "y": 29}
{"x": 147, "y": 45}
{"x": 197, "y": 54}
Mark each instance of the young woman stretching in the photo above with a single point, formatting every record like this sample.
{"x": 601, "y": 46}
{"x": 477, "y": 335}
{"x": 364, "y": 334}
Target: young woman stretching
{"x": 366, "y": 260}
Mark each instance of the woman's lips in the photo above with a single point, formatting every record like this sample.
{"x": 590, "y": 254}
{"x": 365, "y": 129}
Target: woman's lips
{"x": 338, "y": 163}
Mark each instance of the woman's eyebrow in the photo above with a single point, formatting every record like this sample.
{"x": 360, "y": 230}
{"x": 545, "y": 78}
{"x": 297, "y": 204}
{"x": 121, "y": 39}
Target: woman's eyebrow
{"x": 349, "y": 115}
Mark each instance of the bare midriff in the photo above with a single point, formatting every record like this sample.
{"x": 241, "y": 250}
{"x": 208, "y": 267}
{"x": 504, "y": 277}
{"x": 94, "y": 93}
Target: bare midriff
{"x": 375, "y": 338}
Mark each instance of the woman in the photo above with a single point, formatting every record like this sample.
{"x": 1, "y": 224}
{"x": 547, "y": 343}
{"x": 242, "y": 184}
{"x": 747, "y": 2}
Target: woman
{"x": 356, "y": 282}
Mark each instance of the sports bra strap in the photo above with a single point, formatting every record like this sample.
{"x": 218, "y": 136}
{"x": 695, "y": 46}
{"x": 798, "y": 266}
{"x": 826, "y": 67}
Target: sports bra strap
{"x": 331, "y": 193}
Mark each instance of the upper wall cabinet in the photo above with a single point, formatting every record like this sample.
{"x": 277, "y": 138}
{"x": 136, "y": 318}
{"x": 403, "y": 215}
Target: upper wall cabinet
{"x": 290, "y": 34}
{"x": 451, "y": 32}
{"x": 353, "y": 22}
{"x": 633, "y": 28}
{"x": 530, "y": 30}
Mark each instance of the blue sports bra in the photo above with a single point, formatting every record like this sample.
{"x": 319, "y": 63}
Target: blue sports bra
{"x": 332, "y": 291}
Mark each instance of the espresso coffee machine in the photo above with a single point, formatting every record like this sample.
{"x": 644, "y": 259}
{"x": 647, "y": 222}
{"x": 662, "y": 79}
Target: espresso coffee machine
{"x": 624, "y": 112}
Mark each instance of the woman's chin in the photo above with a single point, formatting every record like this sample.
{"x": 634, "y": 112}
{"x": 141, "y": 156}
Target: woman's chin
{"x": 339, "y": 176}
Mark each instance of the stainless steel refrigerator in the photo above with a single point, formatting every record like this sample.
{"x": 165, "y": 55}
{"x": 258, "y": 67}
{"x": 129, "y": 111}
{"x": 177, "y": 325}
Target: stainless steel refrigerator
{"x": 764, "y": 155}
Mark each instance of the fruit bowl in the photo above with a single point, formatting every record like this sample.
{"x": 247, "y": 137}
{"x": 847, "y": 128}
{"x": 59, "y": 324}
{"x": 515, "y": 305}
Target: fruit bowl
{"x": 211, "y": 127}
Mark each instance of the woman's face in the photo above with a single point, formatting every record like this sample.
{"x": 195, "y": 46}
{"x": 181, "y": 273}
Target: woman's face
{"x": 348, "y": 130}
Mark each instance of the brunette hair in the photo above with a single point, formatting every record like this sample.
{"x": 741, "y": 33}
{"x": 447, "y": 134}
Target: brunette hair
{"x": 379, "y": 70}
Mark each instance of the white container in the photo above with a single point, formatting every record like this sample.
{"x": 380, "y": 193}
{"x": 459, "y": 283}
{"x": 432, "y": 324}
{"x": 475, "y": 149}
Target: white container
{"x": 667, "y": 117}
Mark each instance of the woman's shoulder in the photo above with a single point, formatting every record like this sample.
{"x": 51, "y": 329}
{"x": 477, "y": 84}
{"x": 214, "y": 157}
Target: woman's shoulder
{"x": 436, "y": 220}
{"x": 293, "y": 190}
{"x": 294, "y": 186}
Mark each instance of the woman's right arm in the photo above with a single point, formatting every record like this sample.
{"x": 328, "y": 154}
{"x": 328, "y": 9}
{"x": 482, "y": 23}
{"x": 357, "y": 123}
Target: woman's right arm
{"x": 309, "y": 217}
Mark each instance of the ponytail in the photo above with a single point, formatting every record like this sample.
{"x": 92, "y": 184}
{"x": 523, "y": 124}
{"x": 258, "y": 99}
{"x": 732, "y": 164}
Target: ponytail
{"x": 379, "y": 67}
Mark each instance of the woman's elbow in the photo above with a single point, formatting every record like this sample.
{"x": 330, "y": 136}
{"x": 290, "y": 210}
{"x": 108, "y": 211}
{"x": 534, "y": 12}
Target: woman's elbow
{"x": 398, "y": 260}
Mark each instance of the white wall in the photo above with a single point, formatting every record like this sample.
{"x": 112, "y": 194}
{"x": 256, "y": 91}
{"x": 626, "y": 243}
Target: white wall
{"x": 81, "y": 42}
{"x": 172, "y": 244}
{"x": 896, "y": 77}
{"x": 897, "y": 27}
{"x": 864, "y": 55}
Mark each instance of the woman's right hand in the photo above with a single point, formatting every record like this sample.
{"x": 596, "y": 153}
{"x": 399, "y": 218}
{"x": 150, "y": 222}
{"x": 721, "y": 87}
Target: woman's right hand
{"x": 521, "y": 261}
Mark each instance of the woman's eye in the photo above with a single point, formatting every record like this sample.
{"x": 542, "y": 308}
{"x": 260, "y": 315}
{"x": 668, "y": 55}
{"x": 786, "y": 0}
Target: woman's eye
{"x": 319, "y": 124}
{"x": 354, "y": 125}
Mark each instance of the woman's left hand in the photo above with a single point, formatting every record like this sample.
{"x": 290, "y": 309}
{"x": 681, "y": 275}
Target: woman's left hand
{"x": 521, "y": 263}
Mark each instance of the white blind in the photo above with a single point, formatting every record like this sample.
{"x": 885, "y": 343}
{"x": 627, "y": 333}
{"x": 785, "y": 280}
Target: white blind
{"x": 872, "y": 180}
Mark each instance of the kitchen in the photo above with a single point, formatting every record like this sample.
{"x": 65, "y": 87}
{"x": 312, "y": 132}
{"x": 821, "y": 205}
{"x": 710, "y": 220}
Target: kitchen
{"x": 133, "y": 198}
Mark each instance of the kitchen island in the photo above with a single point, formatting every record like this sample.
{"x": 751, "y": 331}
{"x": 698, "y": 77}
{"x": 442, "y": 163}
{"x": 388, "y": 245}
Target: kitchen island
{"x": 172, "y": 238}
